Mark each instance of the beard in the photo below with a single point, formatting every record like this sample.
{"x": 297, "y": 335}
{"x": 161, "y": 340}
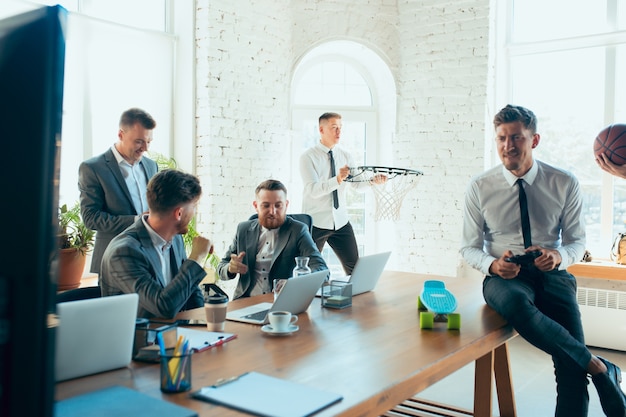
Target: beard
{"x": 272, "y": 222}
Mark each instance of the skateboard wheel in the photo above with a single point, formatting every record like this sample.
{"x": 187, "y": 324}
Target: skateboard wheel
{"x": 454, "y": 321}
{"x": 427, "y": 320}
{"x": 420, "y": 305}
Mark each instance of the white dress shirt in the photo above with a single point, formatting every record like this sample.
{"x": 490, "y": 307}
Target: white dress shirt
{"x": 318, "y": 184}
{"x": 263, "y": 263}
{"x": 136, "y": 181}
{"x": 163, "y": 248}
{"x": 492, "y": 222}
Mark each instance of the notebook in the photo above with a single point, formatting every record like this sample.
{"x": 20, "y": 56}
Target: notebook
{"x": 264, "y": 395}
{"x": 295, "y": 297}
{"x": 118, "y": 401}
{"x": 365, "y": 274}
{"x": 94, "y": 335}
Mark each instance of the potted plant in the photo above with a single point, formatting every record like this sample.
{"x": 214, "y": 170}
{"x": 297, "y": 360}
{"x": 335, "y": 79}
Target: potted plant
{"x": 75, "y": 241}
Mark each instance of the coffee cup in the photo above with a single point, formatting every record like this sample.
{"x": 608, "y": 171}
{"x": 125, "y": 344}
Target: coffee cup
{"x": 215, "y": 307}
{"x": 282, "y": 320}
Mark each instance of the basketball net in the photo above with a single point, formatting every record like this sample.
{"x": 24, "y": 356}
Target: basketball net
{"x": 390, "y": 194}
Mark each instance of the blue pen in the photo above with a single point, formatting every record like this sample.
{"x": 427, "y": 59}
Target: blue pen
{"x": 161, "y": 343}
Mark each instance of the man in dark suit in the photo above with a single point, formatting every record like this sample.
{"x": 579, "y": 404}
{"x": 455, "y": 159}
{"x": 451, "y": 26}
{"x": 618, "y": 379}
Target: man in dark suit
{"x": 265, "y": 248}
{"x": 148, "y": 258}
{"x": 113, "y": 185}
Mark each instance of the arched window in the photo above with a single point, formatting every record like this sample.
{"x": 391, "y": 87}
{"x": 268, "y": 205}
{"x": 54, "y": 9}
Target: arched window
{"x": 347, "y": 78}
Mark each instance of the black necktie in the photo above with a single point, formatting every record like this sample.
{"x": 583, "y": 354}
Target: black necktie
{"x": 332, "y": 175}
{"x": 523, "y": 207}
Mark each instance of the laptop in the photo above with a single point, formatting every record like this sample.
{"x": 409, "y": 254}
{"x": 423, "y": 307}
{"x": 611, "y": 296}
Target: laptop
{"x": 295, "y": 297}
{"x": 365, "y": 274}
{"x": 94, "y": 335}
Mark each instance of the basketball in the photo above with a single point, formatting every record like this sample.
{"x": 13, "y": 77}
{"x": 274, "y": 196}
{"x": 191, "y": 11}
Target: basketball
{"x": 612, "y": 142}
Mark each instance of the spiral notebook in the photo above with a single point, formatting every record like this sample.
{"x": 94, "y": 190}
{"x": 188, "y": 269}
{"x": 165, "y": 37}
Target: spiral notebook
{"x": 255, "y": 393}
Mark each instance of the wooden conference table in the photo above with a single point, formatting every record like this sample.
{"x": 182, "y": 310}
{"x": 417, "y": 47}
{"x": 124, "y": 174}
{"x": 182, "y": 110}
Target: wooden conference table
{"x": 373, "y": 353}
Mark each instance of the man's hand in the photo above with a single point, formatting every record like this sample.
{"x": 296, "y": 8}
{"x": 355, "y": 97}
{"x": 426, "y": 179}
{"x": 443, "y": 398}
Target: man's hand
{"x": 548, "y": 260}
{"x": 608, "y": 166}
{"x": 344, "y": 172}
{"x": 503, "y": 268}
{"x": 201, "y": 247}
{"x": 236, "y": 265}
{"x": 379, "y": 179}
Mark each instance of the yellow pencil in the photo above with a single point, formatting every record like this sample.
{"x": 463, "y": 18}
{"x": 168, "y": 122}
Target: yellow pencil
{"x": 174, "y": 362}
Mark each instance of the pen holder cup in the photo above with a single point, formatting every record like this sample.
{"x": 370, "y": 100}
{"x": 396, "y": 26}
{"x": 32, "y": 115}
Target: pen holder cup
{"x": 337, "y": 294}
{"x": 176, "y": 372}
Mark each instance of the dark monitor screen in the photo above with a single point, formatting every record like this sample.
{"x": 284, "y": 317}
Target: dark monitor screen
{"x": 32, "y": 51}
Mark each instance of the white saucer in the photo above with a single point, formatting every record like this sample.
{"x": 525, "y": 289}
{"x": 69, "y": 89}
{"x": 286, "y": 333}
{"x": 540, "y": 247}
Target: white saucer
{"x": 269, "y": 330}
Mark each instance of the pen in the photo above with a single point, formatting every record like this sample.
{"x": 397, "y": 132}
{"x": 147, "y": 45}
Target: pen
{"x": 223, "y": 381}
{"x": 219, "y": 342}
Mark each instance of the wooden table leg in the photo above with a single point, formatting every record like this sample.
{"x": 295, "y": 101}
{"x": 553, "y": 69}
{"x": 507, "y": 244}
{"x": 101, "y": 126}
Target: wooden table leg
{"x": 504, "y": 383}
{"x": 482, "y": 385}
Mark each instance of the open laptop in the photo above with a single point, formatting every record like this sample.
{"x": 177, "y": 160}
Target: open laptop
{"x": 365, "y": 274}
{"x": 295, "y": 297}
{"x": 94, "y": 335}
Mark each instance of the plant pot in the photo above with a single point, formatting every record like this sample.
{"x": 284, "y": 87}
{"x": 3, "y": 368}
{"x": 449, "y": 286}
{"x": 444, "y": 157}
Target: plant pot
{"x": 71, "y": 268}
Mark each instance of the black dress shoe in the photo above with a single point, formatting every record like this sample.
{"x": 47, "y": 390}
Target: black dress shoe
{"x": 612, "y": 397}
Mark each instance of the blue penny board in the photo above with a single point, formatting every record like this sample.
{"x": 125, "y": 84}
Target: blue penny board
{"x": 437, "y": 298}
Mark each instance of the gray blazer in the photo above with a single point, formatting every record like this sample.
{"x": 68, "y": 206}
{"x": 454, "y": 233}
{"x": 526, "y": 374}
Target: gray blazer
{"x": 105, "y": 202}
{"x": 131, "y": 264}
{"x": 293, "y": 240}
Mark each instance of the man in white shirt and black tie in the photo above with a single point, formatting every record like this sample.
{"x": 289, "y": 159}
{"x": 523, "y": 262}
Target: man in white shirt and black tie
{"x": 537, "y": 297}
{"x": 324, "y": 169}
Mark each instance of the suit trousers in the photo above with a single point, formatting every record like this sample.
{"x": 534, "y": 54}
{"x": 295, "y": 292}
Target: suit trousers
{"x": 542, "y": 307}
{"x": 343, "y": 243}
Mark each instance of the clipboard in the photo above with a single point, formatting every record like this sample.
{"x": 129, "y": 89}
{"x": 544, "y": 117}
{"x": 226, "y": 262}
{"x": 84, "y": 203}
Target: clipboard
{"x": 199, "y": 340}
{"x": 267, "y": 396}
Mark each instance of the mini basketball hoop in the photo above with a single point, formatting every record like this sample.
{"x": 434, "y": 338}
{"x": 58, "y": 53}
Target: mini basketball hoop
{"x": 389, "y": 194}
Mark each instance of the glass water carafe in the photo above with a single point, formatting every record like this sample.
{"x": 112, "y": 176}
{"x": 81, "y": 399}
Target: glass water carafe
{"x": 302, "y": 266}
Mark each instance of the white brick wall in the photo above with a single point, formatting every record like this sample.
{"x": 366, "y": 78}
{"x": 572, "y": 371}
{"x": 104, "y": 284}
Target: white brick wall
{"x": 438, "y": 53}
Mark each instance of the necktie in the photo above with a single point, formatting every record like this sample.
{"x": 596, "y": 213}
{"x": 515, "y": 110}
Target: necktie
{"x": 523, "y": 207}
{"x": 332, "y": 174}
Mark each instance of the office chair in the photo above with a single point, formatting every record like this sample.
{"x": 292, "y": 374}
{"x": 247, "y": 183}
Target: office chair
{"x": 301, "y": 217}
{"x": 76, "y": 294}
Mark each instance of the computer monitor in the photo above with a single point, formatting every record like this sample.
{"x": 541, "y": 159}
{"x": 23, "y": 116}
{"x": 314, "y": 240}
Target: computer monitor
{"x": 32, "y": 55}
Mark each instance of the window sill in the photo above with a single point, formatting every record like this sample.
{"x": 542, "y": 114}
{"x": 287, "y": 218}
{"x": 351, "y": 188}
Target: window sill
{"x": 603, "y": 269}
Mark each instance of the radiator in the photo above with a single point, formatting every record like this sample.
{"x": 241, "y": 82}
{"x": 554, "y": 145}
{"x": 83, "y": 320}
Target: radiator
{"x": 603, "y": 314}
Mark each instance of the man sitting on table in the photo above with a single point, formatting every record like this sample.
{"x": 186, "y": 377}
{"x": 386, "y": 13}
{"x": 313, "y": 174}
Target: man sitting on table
{"x": 149, "y": 258}
{"x": 526, "y": 205}
{"x": 265, "y": 248}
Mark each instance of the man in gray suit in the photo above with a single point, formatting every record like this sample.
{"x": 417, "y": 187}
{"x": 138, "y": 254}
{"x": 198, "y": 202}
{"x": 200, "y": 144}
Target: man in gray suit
{"x": 113, "y": 185}
{"x": 148, "y": 258}
{"x": 265, "y": 248}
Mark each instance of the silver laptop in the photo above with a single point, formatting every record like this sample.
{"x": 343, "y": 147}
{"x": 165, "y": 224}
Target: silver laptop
{"x": 295, "y": 297}
{"x": 365, "y": 274}
{"x": 94, "y": 335}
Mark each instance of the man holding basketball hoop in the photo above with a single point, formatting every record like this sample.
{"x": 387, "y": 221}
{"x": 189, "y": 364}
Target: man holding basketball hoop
{"x": 525, "y": 206}
{"x": 325, "y": 169}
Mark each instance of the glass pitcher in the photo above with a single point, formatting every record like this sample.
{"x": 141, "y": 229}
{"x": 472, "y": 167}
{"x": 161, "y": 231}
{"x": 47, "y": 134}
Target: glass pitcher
{"x": 302, "y": 266}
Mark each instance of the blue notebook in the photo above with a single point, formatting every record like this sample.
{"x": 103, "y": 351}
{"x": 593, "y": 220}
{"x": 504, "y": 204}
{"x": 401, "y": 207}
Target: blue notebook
{"x": 267, "y": 396}
{"x": 119, "y": 402}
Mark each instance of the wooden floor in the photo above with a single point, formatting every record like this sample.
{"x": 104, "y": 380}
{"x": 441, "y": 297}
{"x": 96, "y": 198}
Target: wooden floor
{"x": 533, "y": 382}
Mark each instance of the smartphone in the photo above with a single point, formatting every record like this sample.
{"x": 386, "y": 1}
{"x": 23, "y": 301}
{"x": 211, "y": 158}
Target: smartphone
{"x": 191, "y": 322}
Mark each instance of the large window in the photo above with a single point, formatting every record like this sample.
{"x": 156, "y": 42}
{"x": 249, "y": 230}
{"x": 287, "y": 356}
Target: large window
{"x": 119, "y": 54}
{"x": 566, "y": 61}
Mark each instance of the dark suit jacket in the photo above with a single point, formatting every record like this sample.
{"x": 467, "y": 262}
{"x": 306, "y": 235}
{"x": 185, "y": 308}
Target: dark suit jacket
{"x": 293, "y": 240}
{"x": 105, "y": 202}
{"x": 131, "y": 264}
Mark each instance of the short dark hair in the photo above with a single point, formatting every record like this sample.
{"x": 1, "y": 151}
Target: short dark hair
{"x": 136, "y": 115}
{"x": 329, "y": 115}
{"x": 512, "y": 113}
{"x": 170, "y": 188}
{"x": 270, "y": 185}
